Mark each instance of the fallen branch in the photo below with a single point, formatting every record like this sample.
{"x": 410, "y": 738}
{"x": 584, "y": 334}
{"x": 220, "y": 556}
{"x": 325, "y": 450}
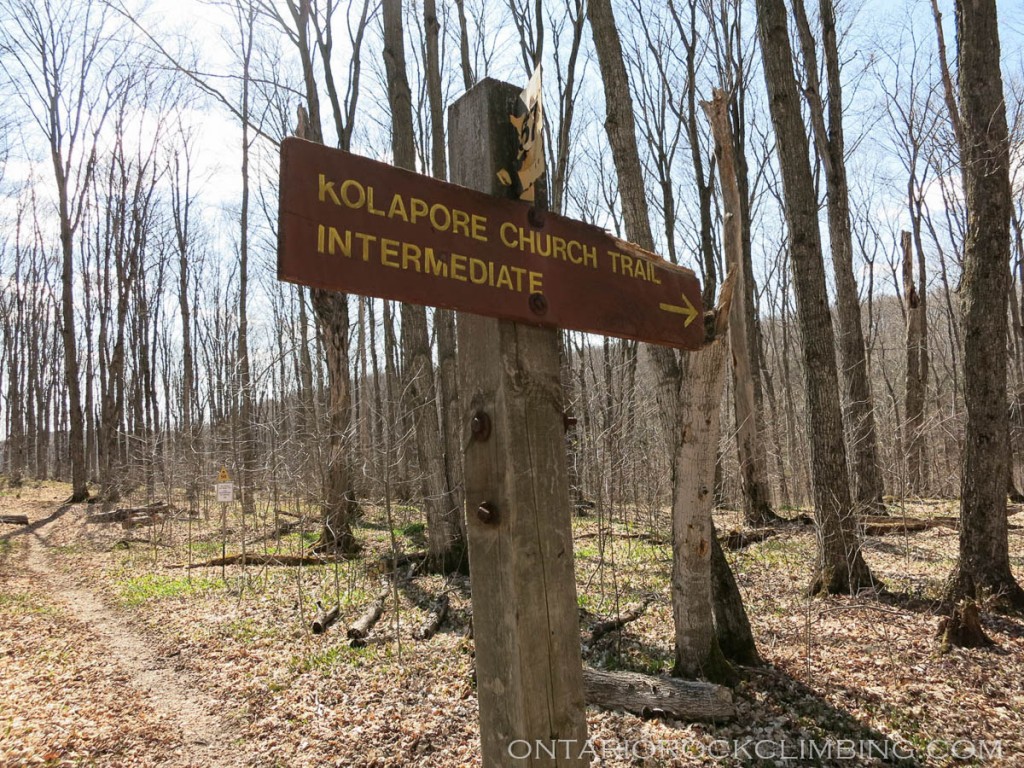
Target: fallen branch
{"x": 324, "y": 619}
{"x": 361, "y": 627}
{"x": 127, "y": 542}
{"x": 434, "y": 620}
{"x": 14, "y": 519}
{"x": 649, "y": 696}
{"x": 650, "y": 538}
{"x": 389, "y": 564}
{"x": 632, "y": 613}
{"x": 258, "y": 559}
{"x": 142, "y": 521}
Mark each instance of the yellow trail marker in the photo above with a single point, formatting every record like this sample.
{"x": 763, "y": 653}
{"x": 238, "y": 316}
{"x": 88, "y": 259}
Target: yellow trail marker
{"x": 223, "y": 476}
{"x": 687, "y": 309}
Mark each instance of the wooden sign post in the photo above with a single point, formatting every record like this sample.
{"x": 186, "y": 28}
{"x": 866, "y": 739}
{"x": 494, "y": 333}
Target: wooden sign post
{"x": 352, "y": 224}
{"x": 525, "y": 616}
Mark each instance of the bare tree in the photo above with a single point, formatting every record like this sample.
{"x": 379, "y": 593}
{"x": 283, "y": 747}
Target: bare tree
{"x": 58, "y": 62}
{"x": 731, "y": 626}
{"x": 840, "y": 566}
{"x": 827, "y": 125}
{"x": 984, "y": 565}
{"x": 310, "y": 28}
{"x": 445, "y": 534}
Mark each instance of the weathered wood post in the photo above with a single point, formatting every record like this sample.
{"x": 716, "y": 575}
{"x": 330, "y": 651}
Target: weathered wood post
{"x": 525, "y": 615}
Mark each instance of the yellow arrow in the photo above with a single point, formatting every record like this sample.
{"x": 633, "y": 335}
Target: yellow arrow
{"x": 687, "y": 309}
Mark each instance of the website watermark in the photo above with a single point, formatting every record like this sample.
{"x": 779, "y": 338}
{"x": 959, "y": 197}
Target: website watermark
{"x": 778, "y": 750}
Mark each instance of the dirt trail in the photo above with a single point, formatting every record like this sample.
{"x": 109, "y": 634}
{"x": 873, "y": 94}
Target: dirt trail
{"x": 206, "y": 738}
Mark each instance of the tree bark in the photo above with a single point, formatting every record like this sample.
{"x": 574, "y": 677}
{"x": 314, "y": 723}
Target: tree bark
{"x": 646, "y": 695}
{"x": 620, "y": 126}
{"x": 983, "y": 568}
{"x": 696, "y": 645}
{"x": 913, "y": 403}
{"x": 331, "y": 310}
{"x": 445, "y": 535}
{"x": 839, "y": 567}
{"x": 339, "y": 503}
{"x": 828, "y": 136}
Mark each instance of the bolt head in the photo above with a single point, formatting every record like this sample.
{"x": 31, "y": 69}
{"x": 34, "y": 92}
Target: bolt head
{"x": 538, "y": 304}
{"x": 480, "y": 425}
{"x": 487, "y": 513}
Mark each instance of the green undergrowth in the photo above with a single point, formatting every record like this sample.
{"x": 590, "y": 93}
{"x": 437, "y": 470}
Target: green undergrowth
{"x": 323, "y": 661}
{"x": 137, "y": 590}
{"x": 24, "y": 603}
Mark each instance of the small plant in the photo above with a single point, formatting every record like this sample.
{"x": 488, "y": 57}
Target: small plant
{"x": 325, "y": 660}
{"x": 413, "y": 529}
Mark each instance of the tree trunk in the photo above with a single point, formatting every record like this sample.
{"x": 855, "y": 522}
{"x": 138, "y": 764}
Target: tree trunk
{"x": 339, "y": 501}
{"x": 914, "y": 400}
{"x": 867, "y": 477}
{"x": 331, "y": 310}
{"x": 445, "y": 535}
{"x": 984, "y": 565}
{"x": 696, "y": 646}
{"x": 246, "y": 415}
{"x": 840, "y": 567}
{"x": 76, "y": 435}
{"x": 620, "y": 125}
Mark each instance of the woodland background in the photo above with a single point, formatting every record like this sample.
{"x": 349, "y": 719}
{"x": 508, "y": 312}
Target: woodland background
{"x": 160, "y": 221}
{"x": 145, "y": 343}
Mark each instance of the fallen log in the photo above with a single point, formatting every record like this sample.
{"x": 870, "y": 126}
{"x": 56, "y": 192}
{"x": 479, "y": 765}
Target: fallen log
{"x": 736, "y": 539}
{"x": 141, "y": 521}
{"x": 361, "y": 627}
{"x": 14, "y": 519}
{"x": 649, "y": 696}
{"x": 875, "y": 525}
{"x": 126, "y": 513}
{"x": 324, "y": 619}
{"x": 632, "y": 613}
{"x": 650, "y": 538}
{"x": 434, "y": 620}
{"x": 257, "y": 558}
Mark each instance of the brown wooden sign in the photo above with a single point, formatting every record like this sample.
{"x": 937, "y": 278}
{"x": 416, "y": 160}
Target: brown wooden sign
{"x": 352, "y": 224}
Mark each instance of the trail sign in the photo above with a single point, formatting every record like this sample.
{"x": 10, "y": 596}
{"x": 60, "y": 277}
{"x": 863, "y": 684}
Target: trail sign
{"x": 352, "y": 224}
{"x": 222, "y": 476}
{"x": 225, "y": 492}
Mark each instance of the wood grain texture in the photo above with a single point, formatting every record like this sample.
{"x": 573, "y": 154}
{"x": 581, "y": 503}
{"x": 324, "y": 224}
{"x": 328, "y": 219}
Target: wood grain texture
{"x": 525, "y": 620}
{"x": 648, "y": 696}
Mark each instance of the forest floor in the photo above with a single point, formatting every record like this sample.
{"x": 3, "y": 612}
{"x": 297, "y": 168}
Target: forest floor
{"x": 112, "y": 654}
